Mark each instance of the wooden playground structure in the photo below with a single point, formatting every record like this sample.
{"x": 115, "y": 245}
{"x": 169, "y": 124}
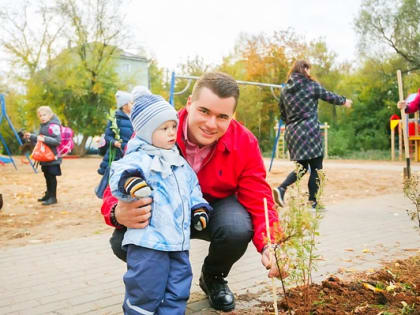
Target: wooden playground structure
{"x": 413, "y": 138}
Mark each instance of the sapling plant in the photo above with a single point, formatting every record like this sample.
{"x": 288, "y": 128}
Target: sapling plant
{"x": 295, "y": 236}
{"x": 412, "y": 192}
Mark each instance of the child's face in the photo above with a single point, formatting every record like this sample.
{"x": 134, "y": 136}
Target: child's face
{"x": 44, "y": 116}
{"x": 165, "y": 135}
{"x": 127, "y": 108}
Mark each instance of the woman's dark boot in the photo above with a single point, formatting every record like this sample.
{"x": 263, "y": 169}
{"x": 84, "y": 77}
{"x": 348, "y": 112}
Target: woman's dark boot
{"x": 44, "y": 198}
{"x": 50, "y": 201}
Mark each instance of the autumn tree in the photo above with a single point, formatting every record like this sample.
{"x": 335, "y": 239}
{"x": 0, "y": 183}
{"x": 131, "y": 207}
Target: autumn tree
{"x": 390, "y": 26}
{"x": 69, "y": 57}
{"x": 95, "y": 30}
{"x": 194, "y": 66}
{"x": 29, "y": 34}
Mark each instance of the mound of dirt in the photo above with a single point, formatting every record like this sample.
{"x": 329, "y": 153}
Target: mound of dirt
{"x": 395, "y": 289}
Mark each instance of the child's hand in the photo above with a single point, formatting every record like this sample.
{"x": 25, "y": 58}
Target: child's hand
{"x": 401, "y": 105}
{"x": 199, "y": 219}
{"x": 27, "y": 135}
{"x": 40, "y": 138}
{"x": 137, "y": 188}
{"x": 117, "y": 144}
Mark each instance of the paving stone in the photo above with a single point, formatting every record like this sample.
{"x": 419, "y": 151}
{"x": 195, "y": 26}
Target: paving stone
{"x": 81, "y": 276}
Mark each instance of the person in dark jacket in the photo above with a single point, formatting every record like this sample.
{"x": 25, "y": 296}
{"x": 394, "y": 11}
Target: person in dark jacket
{"x": 117, "y": 133}
{"x": 117, "y": 138}
{"x": 50, "y": 134}
{"x": 299, "y": 110}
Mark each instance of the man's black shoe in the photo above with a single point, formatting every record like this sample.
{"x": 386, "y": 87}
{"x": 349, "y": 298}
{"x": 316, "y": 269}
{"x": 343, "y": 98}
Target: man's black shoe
{"x": 50, "y": 201}
{"x": 216, "y": 288}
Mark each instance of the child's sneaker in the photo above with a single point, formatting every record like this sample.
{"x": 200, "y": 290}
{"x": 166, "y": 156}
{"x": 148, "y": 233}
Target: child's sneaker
{"x": 278, "y": 194}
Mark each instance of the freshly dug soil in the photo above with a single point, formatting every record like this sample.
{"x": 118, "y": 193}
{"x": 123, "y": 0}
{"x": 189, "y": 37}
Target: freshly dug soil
{"x": 395, "y": 289}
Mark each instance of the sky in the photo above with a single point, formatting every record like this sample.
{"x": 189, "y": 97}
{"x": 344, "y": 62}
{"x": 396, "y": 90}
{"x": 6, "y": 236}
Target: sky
{"x": 172, "y": 31}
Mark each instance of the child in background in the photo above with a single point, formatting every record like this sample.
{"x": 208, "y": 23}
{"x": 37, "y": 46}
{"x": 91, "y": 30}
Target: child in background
{"x": 125, "y": 129}
{"x": 411, "y": 104}
{"x": 117, "y": 133}
{"x": 50, "y": 134}
{"x": 158, "y": 277}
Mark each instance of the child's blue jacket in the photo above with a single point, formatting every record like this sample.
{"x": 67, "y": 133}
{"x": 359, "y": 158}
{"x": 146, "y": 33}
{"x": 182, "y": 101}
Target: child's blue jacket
{"x": 174, "y": 198}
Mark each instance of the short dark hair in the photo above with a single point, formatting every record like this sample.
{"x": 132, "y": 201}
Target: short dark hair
{"x": 221, "y": 84}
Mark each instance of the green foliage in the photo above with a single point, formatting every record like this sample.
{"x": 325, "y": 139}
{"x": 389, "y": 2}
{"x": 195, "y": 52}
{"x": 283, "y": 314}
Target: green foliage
{"x": 79, "y": 83}
{"x": 114, "y": 126}
{"x": 297, "y": 237}
{"x": 80, "y": 98}
{"x": 340, "y": 140}
{"x": 192, "y": 67}
{"x": 15, "y": 109}
{"x": 390, "y": 25}
{"x": 411, "y": 190}
{"x": 158, "y": 85}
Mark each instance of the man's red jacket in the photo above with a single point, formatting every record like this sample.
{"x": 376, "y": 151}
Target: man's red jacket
{"x": 234, "y": 167}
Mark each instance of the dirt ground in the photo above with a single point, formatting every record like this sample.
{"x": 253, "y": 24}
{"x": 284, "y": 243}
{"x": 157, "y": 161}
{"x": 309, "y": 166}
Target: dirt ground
{"x": 24, "y": 221}
{"x": 394, "y": 289}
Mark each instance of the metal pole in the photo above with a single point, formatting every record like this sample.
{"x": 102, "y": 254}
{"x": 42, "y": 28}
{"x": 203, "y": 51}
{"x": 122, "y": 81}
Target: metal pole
{"x": 171, "y": 91}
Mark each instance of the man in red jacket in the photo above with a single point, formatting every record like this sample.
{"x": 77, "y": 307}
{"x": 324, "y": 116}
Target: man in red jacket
{"x": 228, "y": 162}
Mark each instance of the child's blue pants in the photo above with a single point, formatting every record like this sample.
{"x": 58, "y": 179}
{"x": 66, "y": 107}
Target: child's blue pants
{"x": 156, "y": 282}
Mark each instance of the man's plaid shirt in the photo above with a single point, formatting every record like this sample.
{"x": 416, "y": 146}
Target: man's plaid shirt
{"x": 299, "y": 110}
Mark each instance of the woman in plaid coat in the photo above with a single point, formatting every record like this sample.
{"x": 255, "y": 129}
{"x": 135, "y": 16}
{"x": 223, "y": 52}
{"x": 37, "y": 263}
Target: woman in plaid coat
{"x": 299, "y": 110}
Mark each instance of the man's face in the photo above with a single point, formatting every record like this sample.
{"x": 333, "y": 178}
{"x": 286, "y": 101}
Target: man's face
{"x": 209, "y": 117}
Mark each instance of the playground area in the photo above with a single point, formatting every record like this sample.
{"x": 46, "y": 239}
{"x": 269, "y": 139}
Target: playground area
{"x": 63, "y": 243}
{"x": 25, "y": 221}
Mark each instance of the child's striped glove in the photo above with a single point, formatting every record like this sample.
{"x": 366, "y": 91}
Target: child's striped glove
{"x": 137, "y": 188}
{"x": 199, "y": 219}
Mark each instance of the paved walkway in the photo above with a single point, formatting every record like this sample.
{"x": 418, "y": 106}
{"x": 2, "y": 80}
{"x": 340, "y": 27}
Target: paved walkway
{"x": 82, "y": 276}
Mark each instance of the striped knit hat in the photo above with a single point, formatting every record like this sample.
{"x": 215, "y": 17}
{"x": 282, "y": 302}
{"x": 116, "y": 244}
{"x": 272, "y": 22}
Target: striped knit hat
{"x": 148, "y": 113}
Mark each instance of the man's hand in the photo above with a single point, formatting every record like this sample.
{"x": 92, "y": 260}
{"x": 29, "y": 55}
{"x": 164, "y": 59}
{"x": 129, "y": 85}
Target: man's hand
{"x": 135, "y": 214}
{"x": 270, "y": 264}
{"x": 117, "y": 144}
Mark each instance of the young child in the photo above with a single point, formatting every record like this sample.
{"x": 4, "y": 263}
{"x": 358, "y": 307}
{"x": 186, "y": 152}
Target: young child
{"x": 158, "y": 277}
{"x": 50, "y": 134}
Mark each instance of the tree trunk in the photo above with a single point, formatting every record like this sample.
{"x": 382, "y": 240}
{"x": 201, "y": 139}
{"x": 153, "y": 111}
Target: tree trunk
{"x": 80, "y": 149}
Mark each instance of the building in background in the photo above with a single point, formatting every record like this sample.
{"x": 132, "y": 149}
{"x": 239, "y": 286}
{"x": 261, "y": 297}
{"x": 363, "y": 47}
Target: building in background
{"x": 133, "y": 69}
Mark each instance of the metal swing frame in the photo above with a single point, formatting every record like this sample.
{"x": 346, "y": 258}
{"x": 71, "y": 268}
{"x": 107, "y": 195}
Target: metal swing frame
{"x": 3, "y": 114}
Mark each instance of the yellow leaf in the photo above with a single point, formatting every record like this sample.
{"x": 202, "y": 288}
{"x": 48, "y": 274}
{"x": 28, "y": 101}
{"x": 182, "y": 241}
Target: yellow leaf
{"x": 366, "y": 250}
{"x": 371, "y": 287}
